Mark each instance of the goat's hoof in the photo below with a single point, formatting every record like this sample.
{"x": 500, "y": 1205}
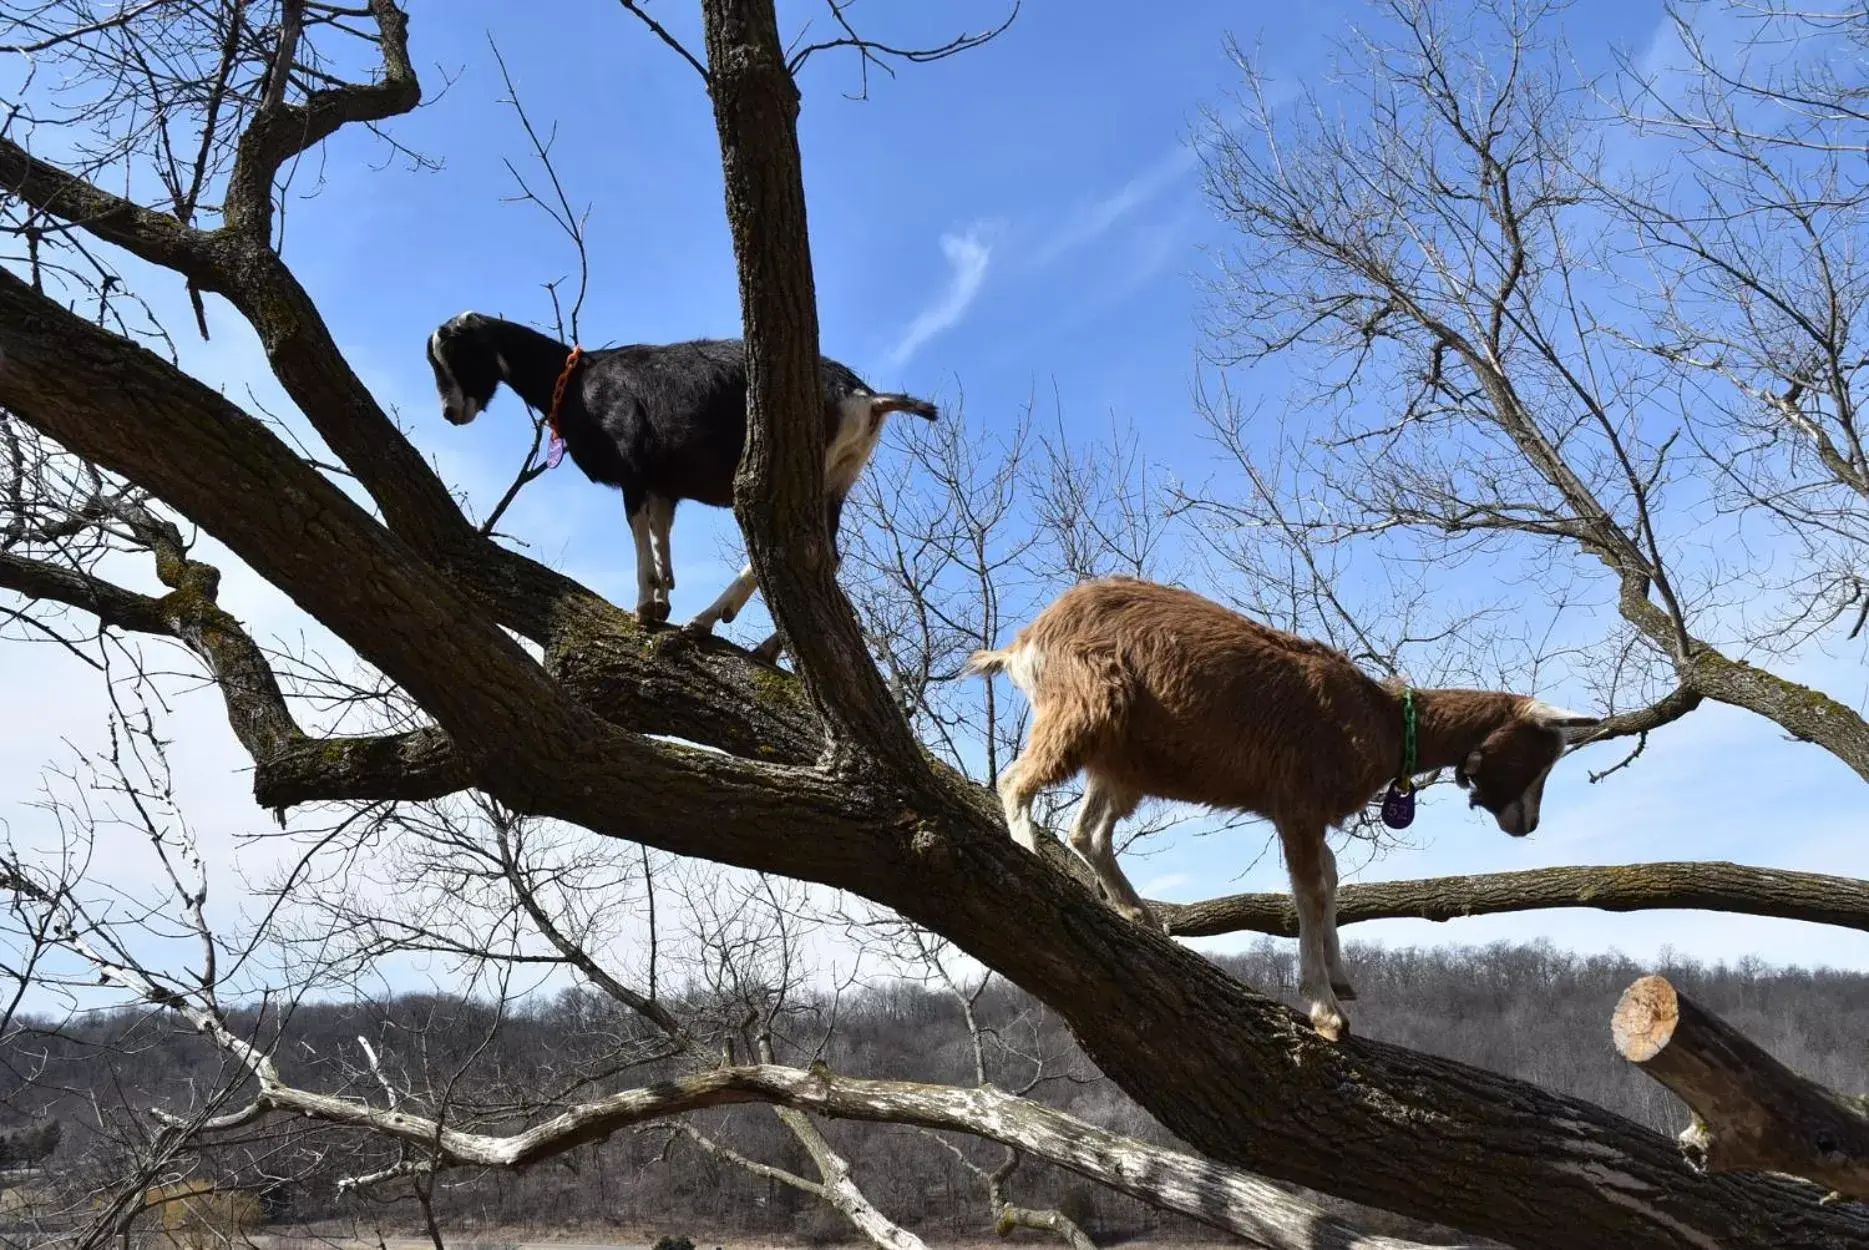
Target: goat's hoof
{"x": 652, "y": 613}
{"x": 1331, "y": 1025}
{"x": 1142, "y": 916}
{"x": 1345, "y": 992}
{"x": 768, "y": 651}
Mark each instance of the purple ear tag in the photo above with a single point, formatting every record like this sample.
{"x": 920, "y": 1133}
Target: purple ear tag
{"x": 1398, "y": 807}
{"x": 554, "y": 453}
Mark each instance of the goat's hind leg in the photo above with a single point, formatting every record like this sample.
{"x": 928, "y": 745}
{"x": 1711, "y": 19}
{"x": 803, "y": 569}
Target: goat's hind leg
{"x": 1016, "y": 793}
{"x": 1049, "y": 757}
{"x": 729, "y": 604}
{"x": 1093, "y": 838}
{"x": 1310, "y": 888}
{"x": 1333, "y": 953}
{"x": 768, "y": 651}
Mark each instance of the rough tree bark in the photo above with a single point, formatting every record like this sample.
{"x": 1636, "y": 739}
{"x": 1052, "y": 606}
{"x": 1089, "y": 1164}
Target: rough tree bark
{"x": 1712, "y": 885}
{"x": 1237, "y": 1076}
{"x": 779, "y": 491}
{"x": 1218, "y": 1197}
{"x": 1751, "y": 1113}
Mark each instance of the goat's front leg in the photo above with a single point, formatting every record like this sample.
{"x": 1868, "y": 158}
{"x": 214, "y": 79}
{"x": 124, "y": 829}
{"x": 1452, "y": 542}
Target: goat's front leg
{"x": 661, "y": 525}
{"x": 645, "y": 568}
{"x": 1310, "y": 889}
{"x": 1333, "y": 953}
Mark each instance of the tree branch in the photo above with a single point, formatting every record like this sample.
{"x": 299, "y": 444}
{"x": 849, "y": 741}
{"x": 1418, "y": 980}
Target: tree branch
{"x": 302, "y": 541}
{"x": 1219, "y": 1197}
{"x": 873, "y": 52}
{"x": 256, "y": 708}
{"x": 1676, "y": 886}
{"x": 144, "y": 233}
{"x": 840, "y": 1188}
{"x": 698, "y": 689}
{"x": 239, "y": 263}
{"x": 779, "y": 491}
{"x": 1751, "y": 1113}
{"x": 280, "y": 131}
{"x": 662, "y": 32}
{"x": 1664, "y": 711}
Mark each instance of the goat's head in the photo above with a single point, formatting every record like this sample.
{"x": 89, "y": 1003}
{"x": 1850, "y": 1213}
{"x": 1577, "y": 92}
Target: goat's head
{"x": 466, "y": 364}
{"x": 1506, "y": 773}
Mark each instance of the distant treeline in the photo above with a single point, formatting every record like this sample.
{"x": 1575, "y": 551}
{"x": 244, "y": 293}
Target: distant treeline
{"x": 1525, "y": 1010}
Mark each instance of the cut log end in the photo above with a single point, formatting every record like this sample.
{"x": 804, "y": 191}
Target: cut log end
{"x": 1645, "y": 1019}
{"x": 1751, "y": 1112}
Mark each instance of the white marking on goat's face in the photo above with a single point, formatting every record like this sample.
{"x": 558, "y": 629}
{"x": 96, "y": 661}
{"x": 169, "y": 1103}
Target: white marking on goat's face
{"x": 1506, "y": 773}
{"x": 456, "y": 407}
{"x": 455, "y": 404}
{"x": 1520, "y": 816}
{"x": 465, "y": 379}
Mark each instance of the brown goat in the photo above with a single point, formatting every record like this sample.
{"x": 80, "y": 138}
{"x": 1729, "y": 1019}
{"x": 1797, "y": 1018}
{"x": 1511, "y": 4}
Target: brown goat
{"x": 1153, "y": 691}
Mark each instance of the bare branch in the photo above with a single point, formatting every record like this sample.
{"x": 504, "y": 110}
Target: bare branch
{"x": 662, "y": 33}
{"x": 1687, "y": 886}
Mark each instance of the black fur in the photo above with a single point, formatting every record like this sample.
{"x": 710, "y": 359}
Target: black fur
{"x": 648, "y": 419}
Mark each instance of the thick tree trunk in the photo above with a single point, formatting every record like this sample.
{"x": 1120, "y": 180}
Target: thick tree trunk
{"x": 1751, "y": 1113}
{"x": 779, "y": 493}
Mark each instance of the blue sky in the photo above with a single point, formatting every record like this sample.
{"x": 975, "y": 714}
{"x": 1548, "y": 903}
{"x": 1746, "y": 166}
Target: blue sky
{"x": 1022, "y": 218}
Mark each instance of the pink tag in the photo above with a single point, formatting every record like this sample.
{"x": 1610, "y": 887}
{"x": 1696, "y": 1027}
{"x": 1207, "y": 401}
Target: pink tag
{"x": 554, "y": 453}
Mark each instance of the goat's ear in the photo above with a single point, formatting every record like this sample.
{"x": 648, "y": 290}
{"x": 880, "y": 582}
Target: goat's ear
{"x": 463, "y": 321}
{"x": 1568, "y": 724}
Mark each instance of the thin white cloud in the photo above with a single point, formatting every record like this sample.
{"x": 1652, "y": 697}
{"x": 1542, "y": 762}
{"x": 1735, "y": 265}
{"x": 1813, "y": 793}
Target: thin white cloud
{"x": 968, "y": 255}
{"x": 1167, "y": 884}
{"x": 1093, "y": 220}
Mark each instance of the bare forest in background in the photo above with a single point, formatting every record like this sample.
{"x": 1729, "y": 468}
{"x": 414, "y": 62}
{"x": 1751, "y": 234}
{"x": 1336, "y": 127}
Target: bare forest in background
{"x": 1531, "y": 1012}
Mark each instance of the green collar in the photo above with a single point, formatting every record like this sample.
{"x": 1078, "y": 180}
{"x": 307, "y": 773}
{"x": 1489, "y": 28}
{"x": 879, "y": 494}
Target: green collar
{"x": 1406, "y": 781}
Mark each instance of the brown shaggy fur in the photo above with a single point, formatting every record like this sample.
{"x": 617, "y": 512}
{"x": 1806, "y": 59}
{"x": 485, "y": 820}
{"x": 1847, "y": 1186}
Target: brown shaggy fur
{"x": 1153, "y": 691}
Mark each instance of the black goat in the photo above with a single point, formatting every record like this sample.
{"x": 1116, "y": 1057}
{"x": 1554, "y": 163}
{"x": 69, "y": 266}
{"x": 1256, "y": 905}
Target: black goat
{"x": 661, "y": 423}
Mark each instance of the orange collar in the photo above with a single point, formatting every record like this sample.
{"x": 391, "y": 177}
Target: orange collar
{"x": 558, "y": 390}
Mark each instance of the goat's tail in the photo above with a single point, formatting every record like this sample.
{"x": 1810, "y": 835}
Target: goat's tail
{"x": 987, "y": 662}
{"x": 1022, "y": 664}
{"x": 881, "y": 405}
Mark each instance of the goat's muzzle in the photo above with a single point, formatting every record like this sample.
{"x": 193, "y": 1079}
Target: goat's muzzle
{"x": 461, "y": 413}
{"x": 1513, "y": 820}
